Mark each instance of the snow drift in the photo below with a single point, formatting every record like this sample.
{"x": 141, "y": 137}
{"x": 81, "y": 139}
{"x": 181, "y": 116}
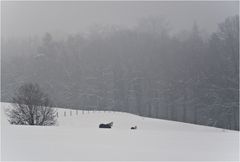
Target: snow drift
{"x": 77, "y": 137}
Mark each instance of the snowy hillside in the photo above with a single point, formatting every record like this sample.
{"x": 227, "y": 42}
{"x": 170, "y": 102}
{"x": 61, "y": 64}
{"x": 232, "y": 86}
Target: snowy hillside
{"x": 77, "y": 137}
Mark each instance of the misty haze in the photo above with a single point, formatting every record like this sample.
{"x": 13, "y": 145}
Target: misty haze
{"x": 120, "y": 81}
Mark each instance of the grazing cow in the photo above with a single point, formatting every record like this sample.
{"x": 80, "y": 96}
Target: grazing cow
{"x": 109, "y": 125}
{"x": 134, "y": 127}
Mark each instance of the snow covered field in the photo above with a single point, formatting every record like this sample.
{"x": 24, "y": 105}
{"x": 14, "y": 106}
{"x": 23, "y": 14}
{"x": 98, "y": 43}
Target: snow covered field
{"x": 77, "y": 137}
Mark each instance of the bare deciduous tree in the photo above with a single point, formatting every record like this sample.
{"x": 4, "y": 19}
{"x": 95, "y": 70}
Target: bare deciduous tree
{"x": 31, "y": 106}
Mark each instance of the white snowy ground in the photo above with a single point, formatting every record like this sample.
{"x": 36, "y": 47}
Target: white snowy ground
{"x": 78, "y": 138}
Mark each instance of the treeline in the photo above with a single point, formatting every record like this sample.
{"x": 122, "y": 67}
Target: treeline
{"x": 146, "y": 70}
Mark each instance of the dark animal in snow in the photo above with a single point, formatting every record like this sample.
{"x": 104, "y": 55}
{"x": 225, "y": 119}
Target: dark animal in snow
{"x": 134, "y": 127}
{"x": 108, "y": 125}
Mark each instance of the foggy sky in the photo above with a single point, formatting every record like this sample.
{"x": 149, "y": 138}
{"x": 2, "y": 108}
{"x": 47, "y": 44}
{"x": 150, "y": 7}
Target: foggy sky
{"x": 21, "y": 19}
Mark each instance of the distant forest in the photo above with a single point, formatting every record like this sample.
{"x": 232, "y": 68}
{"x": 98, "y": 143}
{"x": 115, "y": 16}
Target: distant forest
{"x": 146, "y": 70}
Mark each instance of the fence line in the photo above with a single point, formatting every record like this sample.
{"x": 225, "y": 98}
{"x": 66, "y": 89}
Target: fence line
{"x": 71, "y": 113}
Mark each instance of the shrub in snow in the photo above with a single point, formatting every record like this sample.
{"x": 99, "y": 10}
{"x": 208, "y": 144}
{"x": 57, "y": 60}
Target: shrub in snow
{"x": 31, "y": 107}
